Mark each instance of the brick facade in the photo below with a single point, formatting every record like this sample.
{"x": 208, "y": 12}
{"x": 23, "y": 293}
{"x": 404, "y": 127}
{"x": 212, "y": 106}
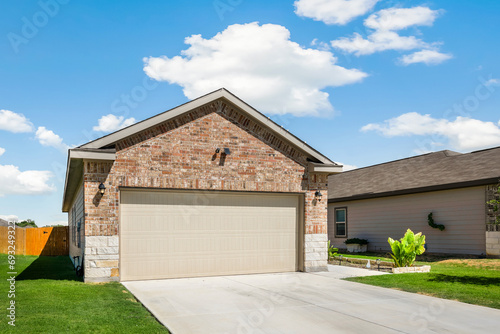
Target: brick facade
{"x": 180, "y": 154}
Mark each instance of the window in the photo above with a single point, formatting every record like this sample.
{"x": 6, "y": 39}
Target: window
{"x": 78, "y": 227}
{"x": 341, "y": 222}
{"x": 73, "y": 225}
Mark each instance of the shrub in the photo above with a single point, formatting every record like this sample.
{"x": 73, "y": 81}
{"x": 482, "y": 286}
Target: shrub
{"x": 406, "y": 250}
{"x": 27, "y": 222}
{"x": 356, "y": 241}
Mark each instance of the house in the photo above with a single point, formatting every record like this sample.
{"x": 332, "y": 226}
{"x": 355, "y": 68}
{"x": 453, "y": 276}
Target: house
{"x": 384, "y": 200}
{"x": 211, "y": 187}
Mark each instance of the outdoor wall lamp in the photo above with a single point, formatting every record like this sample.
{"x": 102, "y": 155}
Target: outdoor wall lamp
{"x": 318, "y": 195}
{"x": 102, "y": 188}
{"x": 226, "y": 151}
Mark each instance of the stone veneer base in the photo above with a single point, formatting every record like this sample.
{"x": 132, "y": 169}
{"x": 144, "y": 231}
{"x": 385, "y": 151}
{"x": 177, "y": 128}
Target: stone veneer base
{"x": 315, "y": 252}
{"x": 408, "y": 270}
{"x": 493, "y": 244}
{"x": 101, "y": 258}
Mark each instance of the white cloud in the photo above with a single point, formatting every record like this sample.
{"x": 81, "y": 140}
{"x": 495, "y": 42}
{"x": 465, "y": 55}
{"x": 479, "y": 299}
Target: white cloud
{"x": 384, "y": 26}
{"x": 16, "y": 123}
{"x": 13, "y": 122}
{"x": 333, "y": 11}
{"x": 258, "y": 63}
{"x": 347, "y": 167}
{"x": 407, "y": 124}
{"x": 111, "y": 123}
{"x": 428, "y": 57}
{"x": 10, "y": 218}
{"x": 31, "y": 182}
{"x": 492, "y": 82}
{"x": 394, "y": 19}
{"x": 56, "y": 222}
{"x": 462, "y": 134}
{"x": 320, "y": 45}
{"x": 49, "y": 138}
{"x": 376, "y": 42}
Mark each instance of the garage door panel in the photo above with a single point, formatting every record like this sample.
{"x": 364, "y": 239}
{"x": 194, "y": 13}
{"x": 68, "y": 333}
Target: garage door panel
{"x": 168, "y": 234}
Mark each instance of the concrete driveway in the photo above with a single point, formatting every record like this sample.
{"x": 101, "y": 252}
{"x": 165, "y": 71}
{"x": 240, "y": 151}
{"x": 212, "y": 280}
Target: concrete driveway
{"x": 303, "y": 303}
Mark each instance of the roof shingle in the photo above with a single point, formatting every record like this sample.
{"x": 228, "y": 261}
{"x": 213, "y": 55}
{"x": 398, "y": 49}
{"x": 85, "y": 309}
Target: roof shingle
{"x": 432, "y": 171}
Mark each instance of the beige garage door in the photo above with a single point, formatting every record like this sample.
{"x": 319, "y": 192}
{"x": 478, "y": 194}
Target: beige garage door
{"x": 169, "y": 234}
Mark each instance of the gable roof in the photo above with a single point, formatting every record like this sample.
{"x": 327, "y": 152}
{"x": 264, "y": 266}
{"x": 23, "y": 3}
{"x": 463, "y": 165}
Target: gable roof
{"x": 433, "y": 171}
{"x": 222, "y": 94}
{"x": 104, "y": 148}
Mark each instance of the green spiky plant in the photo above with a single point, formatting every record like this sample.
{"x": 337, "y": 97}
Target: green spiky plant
{"x": 405, "y": 251}
{"x": 332, "y": 251}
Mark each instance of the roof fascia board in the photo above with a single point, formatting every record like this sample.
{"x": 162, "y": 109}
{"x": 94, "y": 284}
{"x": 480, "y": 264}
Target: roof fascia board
{"x": 91, "y": 155}
{"x": 66, "y": 180}
{"x": 330, "y": 169}
{"x": 70, "y": 179}
{"x": 76, "y": 156}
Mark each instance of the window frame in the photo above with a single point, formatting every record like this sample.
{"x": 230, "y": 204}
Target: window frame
{"x": 78, "y": 233}
{"x": 73, "y": 225}
{"x": 335, "y": 222}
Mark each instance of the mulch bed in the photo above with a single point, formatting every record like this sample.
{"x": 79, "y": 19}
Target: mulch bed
{"x": 361, "y": 263}
{"x": 387, "y": 266}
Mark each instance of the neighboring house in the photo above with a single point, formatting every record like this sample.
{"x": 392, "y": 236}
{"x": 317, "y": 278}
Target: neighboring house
{"x": 212, "y": 187}
{"x": 384, "y": 200}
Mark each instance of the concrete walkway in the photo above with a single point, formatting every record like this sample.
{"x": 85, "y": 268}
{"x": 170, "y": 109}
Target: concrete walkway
{"x": 341, "y": 272}
{"x": 307, "y": 303}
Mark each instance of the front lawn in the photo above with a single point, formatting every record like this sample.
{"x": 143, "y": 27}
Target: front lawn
{"x": 51, "y": 299}
{"x": 473, "y": 281}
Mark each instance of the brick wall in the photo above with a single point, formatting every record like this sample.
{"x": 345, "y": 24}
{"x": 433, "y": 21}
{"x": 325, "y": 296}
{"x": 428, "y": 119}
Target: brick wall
{"x": 180, "y": 154}
{"x": 316, "y": 218}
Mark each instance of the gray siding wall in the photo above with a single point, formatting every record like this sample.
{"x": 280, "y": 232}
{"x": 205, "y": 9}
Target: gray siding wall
{"x": 78, "y": 206}
{"x": 462, "y": 211}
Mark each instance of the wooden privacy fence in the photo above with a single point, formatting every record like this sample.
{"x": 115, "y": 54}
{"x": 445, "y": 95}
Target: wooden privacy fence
{"x": 49, "y": 241}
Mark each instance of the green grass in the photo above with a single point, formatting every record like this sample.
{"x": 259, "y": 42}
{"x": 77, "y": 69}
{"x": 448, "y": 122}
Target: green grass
{"x": 473, "y": 281}
{"x": 51, "y": 299}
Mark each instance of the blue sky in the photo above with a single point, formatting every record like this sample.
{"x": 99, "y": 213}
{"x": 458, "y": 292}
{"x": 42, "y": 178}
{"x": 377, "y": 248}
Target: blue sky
{"x": 362, "y": 81}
